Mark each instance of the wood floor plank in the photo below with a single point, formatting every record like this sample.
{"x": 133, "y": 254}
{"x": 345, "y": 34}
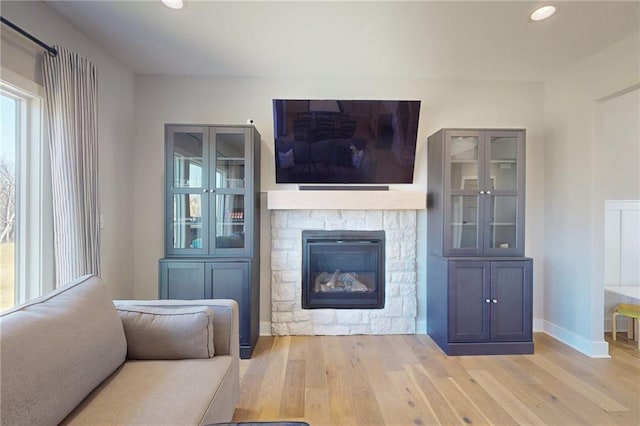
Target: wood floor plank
{"x": 339, "y": 396}
{"x": 625, "y": 389}
{"x": 495, "y": 413}
{"x": 363, "y": 403}
{"x": 369, "y": 358}
{"x": 316, "y": 411}
{"x": 254, "y": 371}
{"x": 315, "y": 374}
{"x": 298, "y": 348}
{"x": 272, "y": 385}
{"x": 338, "y": 381}
{"x": 415, "y": 402}
{"x": 293, "y": 389}
{"x": 387, "y": 355}
{"x": 579, "y": 386}
{"x": 398, "y": 349}
{"x": 513, "y": 367}
{"x": 408, "y": 380}
{"x": 442, "y": 409}
{"x": 459, "y": 401}
{"x": 562, "y": 393}
{"x": 354, "y": 368}
{"x": 504, "y": 397}
{"x": 396, "y": 408}
{"x": 528, "y": 389}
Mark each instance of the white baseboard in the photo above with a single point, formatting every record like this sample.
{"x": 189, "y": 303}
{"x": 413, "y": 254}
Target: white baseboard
{"x": 265, "y": 328}
{"x": 538, "y": 325}
{"x": 593, "y": 349}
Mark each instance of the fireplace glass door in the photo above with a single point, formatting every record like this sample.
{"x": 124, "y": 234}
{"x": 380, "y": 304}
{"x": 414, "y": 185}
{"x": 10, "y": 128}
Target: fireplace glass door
{"x": 343, "y": 269}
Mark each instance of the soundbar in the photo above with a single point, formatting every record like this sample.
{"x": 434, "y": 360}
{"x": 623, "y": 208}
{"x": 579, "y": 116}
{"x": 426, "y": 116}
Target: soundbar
{"x": 343, "y": 188}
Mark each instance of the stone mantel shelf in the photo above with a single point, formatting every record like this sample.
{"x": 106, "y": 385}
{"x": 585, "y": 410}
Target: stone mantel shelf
{"x": 346, "y": 200}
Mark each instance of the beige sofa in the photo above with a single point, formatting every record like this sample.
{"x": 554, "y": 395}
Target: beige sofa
{"x": 67, "y": 358}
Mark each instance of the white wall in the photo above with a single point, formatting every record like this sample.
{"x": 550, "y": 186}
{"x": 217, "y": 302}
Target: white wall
{"x": 115, "y": 126}
{"x": 210, "y": 100}
{"x": 617, "y": 146}
{"x": 617, "y": 136}
{"x": 575, "y": 189}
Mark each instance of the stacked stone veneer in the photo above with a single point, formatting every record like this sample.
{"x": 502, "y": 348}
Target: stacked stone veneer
{"x": 399, "y": 313}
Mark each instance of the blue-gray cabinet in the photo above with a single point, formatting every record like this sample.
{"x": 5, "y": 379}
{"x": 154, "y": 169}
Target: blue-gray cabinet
{"x": 480, "y": 306}
{"x": 212, "y": 219}
{"x": 479, "y": 284}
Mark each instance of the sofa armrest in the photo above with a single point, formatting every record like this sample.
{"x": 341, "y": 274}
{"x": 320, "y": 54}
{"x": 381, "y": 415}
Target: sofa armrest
{"x": 226, "y": 334}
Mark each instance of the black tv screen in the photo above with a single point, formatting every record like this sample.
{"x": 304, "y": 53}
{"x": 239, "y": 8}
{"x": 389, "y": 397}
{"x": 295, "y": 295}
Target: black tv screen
{"x": 326, "y": 141}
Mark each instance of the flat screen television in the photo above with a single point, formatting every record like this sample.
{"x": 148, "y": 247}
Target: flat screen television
{"x": 326, "y": 141}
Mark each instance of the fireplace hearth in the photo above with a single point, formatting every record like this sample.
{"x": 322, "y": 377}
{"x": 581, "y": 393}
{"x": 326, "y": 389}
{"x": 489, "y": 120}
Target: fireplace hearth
{"x": 343, "y": 269}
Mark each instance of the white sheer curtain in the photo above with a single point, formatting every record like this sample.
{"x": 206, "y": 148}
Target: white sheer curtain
{"x": 71, "y": 87}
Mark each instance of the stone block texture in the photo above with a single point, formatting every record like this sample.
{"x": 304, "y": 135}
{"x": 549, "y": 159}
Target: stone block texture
{"x": 399, "y": 313}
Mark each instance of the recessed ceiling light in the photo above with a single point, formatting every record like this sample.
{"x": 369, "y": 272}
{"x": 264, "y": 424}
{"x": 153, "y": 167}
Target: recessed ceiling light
{"x": 173, "y": 4}
{"x": 542, "y": 13}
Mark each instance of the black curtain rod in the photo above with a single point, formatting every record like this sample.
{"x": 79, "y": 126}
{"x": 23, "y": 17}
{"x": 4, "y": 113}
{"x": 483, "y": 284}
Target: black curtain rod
{"x": 52, "y": 50}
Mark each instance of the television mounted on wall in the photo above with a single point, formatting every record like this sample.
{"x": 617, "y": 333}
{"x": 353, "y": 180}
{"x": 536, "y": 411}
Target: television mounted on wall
{"x": 327, "y": 141}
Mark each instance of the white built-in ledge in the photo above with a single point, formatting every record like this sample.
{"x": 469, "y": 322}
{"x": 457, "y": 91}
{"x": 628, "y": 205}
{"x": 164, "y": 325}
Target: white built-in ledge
{"x": 346, "y": 200}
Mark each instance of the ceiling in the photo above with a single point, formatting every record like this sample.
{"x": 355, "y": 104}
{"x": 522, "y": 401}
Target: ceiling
{"x": 326, "y": 39}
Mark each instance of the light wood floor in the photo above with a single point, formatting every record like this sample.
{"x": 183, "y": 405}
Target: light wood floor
{"x": 407, "y": 380}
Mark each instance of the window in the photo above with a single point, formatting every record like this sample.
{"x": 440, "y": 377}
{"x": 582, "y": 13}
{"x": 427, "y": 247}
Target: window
{"x": 9, "y": 121}
{"x": 26, "y": 248}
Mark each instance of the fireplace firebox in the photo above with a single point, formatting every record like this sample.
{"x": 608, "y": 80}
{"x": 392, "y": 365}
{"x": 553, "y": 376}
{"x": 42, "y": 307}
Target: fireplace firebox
{"x": 343, "y": 269}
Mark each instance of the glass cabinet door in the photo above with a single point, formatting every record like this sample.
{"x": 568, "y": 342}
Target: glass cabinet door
{"x": 187, "y": 229}
{"x": 464, "y": 223}
{"x": 186, "y": 157}
{"x": 482, "y": 174}
{"x": 463, "y": 157}
{"x": 229, "y": 225}
{"x": 230, "y": 159}
{"x": 503, "y": 162}
{"x": 230, "y": 150}
{"x": 209, "y": 184}
{"x": 503, "y": 188}
{"x": 464, "y": 177}
{"x": 502, "y": 226}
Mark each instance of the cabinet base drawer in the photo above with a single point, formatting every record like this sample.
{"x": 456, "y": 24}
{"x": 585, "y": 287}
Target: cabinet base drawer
{"x": 493, "y": 348}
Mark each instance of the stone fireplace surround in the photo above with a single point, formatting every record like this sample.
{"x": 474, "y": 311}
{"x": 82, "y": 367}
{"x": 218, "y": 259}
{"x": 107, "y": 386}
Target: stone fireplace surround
{"x": 399, "y": 313}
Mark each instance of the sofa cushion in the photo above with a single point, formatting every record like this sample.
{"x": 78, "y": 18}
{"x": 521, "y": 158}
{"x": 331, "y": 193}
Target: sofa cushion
{"x": 56, "y": 349}
{"x": 187, "y": 392}
{"x": 168, "y": 333}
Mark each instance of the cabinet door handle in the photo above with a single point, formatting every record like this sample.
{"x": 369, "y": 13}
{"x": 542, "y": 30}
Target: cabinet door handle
{"x": 487, "y": 301}
{"x": 495, "y": 300}
{"x": 488, "y": 192}
{"x": 481, "y": 192}
{"x": 205, "y": 190}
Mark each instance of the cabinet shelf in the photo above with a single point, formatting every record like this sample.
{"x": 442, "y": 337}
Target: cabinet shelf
{"x": 236, "y": 159}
